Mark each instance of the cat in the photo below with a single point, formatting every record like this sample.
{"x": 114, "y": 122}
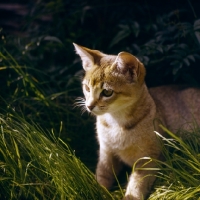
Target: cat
{"x": 127, "y": 115}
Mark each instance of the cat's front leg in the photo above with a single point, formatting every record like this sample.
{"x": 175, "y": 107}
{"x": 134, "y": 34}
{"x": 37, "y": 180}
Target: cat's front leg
{"x": 107, "y": 165}
{"x": 140, "y": 183}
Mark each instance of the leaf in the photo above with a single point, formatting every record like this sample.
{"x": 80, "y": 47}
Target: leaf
{"x": 120, "y": 35}
{"x": 186, "y": 61}
{"x": 183, "y": 46}
{"x": 145, "y": 60}
{"x": 160, "y": 48}
{"x": 52, "y": 38}
{"x": 196, "y": 25}
{"x": 197, "y": 34}
{"x": 136, "y": 47}
{"x": 135, "y": 28}
{"x": 169, "y": 46}
{"x": 191, "y": 57}
{"x": 177, "y": 68}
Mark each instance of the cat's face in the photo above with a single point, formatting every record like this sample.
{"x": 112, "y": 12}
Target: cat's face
{"x": 106, "y": 92}
{"x": 99, "y": 98}
{"x": 111, "y": 82}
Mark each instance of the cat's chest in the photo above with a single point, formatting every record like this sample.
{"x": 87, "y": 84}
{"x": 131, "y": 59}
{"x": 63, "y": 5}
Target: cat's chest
{"x": 114, "y": 134}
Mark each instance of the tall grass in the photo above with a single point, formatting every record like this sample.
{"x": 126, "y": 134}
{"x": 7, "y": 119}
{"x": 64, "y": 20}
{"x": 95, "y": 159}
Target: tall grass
{"x": 38, "y": 164}
{"x": 34, "y": 166}
{"x": 179, "y": 177}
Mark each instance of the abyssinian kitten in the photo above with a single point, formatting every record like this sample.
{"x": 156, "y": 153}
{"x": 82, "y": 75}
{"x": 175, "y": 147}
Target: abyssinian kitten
{"x": 115, "y": 91}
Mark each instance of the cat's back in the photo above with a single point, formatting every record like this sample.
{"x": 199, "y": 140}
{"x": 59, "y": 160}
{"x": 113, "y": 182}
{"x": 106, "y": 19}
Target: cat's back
{"x": 179, "y": 105}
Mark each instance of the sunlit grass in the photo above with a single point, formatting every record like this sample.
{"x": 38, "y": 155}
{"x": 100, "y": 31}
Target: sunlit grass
{"x": 37, "y": 165}
{"x": 179, "y": 177}
{"x": 34, "y": 166}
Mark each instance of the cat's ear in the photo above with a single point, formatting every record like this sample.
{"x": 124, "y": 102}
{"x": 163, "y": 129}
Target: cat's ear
{"x": 130, "y": 66}
{"x": 88, "y": 56}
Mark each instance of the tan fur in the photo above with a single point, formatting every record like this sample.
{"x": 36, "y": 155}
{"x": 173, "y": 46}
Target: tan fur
{"x": 126, "y": 117}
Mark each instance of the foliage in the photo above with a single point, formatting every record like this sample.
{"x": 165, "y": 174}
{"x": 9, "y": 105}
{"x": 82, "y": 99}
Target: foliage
{"x": 166, "y": 40}
{"x": 172, "y": 50}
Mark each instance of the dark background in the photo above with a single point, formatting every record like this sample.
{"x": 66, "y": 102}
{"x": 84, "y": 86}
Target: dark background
{"x": 163, "y": 34}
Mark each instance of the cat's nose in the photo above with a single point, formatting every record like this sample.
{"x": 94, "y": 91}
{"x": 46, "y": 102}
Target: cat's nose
{"x": 90, "y": 107}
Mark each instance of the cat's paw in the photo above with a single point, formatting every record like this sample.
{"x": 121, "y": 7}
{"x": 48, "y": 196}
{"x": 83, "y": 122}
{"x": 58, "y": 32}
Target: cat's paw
{"x": 107, "y": 183}
{"x": 130, "y": 197}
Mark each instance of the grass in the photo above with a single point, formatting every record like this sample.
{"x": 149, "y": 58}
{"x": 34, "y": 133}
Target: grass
{"x": 37, "y": 165}
{"x": 38, "y": 130}
{"x": 179, "y": 177}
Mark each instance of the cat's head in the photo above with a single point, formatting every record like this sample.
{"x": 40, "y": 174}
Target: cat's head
{"x": 111, "y": 83}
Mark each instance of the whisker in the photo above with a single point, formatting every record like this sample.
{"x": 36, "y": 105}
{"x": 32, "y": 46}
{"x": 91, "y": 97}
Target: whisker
{"x": 80, "y": 102}
{"x": 79, "y": 98}
{"x": 83, "y": 110}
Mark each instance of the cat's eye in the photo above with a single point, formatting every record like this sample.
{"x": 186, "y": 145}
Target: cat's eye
{"x": 107, "y": 93}
{"x": 87, "y": 88}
